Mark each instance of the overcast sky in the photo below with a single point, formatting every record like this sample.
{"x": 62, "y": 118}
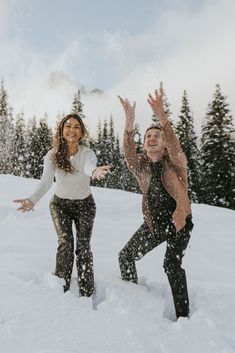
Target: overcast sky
{"x": 48, "y": 49}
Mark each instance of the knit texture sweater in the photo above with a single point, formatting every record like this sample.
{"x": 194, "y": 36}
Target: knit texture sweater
{"x": 67, "y": 185}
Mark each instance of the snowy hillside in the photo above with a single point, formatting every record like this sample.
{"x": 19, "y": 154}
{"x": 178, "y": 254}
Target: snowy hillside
{"x": 37, "y": 317}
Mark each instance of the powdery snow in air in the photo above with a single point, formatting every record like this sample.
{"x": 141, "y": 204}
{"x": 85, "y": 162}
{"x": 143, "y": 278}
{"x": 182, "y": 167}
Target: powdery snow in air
{"x": 37, "y": 317}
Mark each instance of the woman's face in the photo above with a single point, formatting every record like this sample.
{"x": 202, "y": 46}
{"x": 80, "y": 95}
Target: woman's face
{"x": 154, "y": 141}
{"x": 72, "y": 131}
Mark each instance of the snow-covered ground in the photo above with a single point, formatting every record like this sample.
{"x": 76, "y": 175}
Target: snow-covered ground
{"x": 37, "y": 317}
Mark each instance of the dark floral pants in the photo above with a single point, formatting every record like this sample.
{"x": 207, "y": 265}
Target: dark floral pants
{"x": 81, "y": 213}
{"x": 144, "y": 241}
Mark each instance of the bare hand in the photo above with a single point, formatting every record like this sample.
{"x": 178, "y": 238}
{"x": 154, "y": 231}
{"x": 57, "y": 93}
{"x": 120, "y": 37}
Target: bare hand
{"x": 129, "y": 112}
{"x": 100, "y": 172}
{"x": 157, "y": 105}
{"x": 26, "y": 205}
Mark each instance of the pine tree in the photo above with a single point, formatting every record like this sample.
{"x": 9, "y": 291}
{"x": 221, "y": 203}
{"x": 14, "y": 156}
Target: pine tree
{"x": 138, "y": 141}
{"x": 19, "y": 146}
{"x": 6, "y": 131}
{"x": 118, "y": 165}
{"x": 105, "y": 149}
{"x": 77, "y": 108}
{"x": 44, "y": 134}
{"x": 77, "y": 105}
{"x": 113, "y": 153}
{"x": 32, "y": 148}
{"x": 98, "y": 141}
{"x": 217, "y": 154}
{"x": 112, "y": 139}
{"x": 188, "y": 140}
{"x": 98, "y": 146}
{"x": 38, "y": 143}
{"x": 95, "y": 145}
{"x": 114, "y": 180}
{"x": 104, "y": 157}
{"x": 11, "y": 133}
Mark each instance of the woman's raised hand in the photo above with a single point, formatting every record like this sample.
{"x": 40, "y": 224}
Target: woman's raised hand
{"x": 100, "y": 172}
{"x": 26, "y": 205}
{"x": 129, "y": 112}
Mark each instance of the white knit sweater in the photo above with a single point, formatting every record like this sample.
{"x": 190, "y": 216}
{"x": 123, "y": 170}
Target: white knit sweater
{"x": 68, "y": 186}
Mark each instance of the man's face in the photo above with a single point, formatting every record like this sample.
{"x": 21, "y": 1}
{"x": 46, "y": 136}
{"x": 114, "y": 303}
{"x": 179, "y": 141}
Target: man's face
{"x": 154, "y": 141}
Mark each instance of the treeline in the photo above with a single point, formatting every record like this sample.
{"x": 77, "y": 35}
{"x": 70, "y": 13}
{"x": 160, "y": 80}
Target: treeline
{"x": 211, "y": 158}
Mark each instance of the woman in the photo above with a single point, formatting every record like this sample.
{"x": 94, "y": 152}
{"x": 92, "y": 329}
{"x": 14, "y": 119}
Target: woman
{"x": 72, "y": 165}
{"x": 162, "y": 175}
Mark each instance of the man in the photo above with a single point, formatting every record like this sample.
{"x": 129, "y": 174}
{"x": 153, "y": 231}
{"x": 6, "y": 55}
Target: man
{"x": 161, "y": 172}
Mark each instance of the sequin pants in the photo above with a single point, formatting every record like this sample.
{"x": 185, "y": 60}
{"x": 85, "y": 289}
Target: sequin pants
{"x": 81, "y": 213}
{"x": 144, "y": 241}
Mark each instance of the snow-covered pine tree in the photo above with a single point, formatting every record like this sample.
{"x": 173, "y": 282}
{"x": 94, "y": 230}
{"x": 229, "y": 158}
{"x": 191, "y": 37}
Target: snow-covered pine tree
{"x": 218, "y": 154}
{"x": 102, "y": 149}
{"x": 188, "y": 140}
{"x": 44, "y": 134}
{"x": 19, "y": 146}
{"x": 32, "y": 149}
{"x": 112, "y": 139}
{"x": 95, "y": 145}
{"x": 6, "y": 131}
{"x": 107, "y": 149}
{"x": 115, "y": 180}
{"x": 77, "y": 105}
{"x": 138, "y": 141}
{"x": 113, "y": 156}
{"x": 77, "y": 108}
{"x": 104, "y": 157}
{"x": 10, "y": 140}
{"x": 98, "y": 140}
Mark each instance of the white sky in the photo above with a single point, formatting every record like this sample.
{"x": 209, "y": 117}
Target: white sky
{"x": 51, "y": 48}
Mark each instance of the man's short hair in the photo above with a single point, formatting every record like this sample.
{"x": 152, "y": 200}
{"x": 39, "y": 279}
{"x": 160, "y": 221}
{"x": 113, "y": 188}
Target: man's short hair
{"x": 155, "y": 126}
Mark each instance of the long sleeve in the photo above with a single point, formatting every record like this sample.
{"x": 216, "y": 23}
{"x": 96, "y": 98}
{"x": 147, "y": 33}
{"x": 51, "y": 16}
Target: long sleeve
{"x": 90, "y": 162}
{"x": 132, "y": 158}
{"x": 46, "y": 180}
{"x": 173, "y": 146}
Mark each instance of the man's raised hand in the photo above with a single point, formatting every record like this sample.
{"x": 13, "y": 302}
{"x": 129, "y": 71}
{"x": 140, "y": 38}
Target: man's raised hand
{"x": 157, "y": 105}
{"x": 129, "y": 112}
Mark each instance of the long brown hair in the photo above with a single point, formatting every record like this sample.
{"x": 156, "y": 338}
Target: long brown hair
{"x": 60, "y": 146}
